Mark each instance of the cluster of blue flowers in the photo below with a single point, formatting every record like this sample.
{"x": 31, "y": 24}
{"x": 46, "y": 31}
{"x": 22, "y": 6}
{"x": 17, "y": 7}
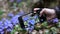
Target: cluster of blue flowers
{"x": 31, "y": 20}
{"x": 8, "y": 24}
{"x": 18, "y": 1}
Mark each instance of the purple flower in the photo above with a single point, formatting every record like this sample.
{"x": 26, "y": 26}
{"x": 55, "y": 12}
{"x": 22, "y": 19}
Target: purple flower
{"x": 11, "y": 0}
{"x": 18, "y": 1}
{"x": 32, "y": 22}
{"x": 21, "y": 13}
{"x": 55, "y": 20}
{"x": 2, "y": 32}
{"x": 14, "y": 20}
{"x": 10, "y": 15}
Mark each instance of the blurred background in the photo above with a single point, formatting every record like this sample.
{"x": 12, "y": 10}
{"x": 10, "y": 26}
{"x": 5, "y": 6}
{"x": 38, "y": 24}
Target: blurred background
{"x": 10, "y": 10}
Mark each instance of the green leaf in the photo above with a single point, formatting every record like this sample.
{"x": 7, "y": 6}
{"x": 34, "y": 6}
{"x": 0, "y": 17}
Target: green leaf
{"x": 1, "y": 12}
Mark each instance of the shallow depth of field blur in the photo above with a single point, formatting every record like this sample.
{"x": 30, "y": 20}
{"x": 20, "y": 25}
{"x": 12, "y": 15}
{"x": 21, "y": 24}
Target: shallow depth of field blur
{"x": 10, "y": 10}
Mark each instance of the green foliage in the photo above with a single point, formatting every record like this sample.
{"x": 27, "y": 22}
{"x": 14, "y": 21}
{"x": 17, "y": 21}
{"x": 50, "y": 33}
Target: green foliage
{"x": 59, "y": 24}
{"x": 17, "y": 28}
{"x": 45, "y": 24}
{"x": 1, "y": 12}
{"x": 29, "y": 3}
{"x": 46, "y": 31}
{"x": 54, "y": 30}
{"x": 20, "y": 4}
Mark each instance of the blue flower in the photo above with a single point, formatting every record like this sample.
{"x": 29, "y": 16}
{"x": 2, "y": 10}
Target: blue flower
{"x": 55, "y": 20}
{"x": 10, "y": 15}
{"x": 14, "y": 20}
{"x": 18, "y": 1}
{"x": 32, "y": 22}
{"x": 6, "y": 24}
{"x": 11, "y": 0}
{"x": 2, "y": 32}
{"x": 21, "y": 13}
